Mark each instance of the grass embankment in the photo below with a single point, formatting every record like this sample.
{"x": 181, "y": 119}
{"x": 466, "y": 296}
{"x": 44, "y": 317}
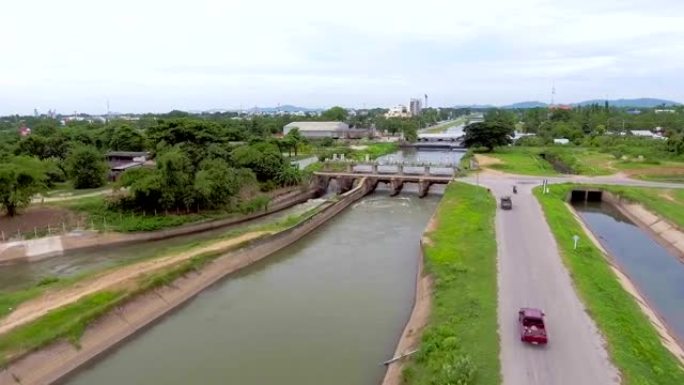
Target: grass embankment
{"x": 445, "y": 126}
{"x": 100, "y": 217}
{"x": 633, "y": 343}
{"x": 69, "y": 322}
{"x": 668, "y": 203}
{"x": 583, "y": 161}
{"x": 521, "y": 160}
{"x": 460, "y": 344}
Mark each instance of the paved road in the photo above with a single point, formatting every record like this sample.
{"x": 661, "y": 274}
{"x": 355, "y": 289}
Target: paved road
{"x": 531, "y": 273}
{"x": 608, "y": 180}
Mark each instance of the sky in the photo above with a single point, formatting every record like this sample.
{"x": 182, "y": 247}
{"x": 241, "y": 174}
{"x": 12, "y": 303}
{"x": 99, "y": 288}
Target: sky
{"x": 155, "y": 56}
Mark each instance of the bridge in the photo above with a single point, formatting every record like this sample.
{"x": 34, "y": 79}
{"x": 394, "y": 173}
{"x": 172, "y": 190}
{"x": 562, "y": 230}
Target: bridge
{"x": 395, "y": 175}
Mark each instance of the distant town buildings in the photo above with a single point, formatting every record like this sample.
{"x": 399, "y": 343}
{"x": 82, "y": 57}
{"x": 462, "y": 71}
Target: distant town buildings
{"x": 399, "y": 111}
{"x": 415, "y": 107}
{"x": 668, "y": 111}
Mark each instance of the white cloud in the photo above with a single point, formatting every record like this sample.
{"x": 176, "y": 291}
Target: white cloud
{"x": 158, "y": 55}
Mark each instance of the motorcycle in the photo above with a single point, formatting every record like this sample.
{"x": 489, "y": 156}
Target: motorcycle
{"x": 515, "y": 190}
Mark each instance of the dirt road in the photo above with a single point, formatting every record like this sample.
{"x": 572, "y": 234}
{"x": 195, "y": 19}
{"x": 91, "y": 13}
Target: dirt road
{"x": 532, "y": 274}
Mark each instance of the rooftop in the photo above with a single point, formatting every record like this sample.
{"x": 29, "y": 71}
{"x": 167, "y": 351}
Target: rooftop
{"x": 318, "y": 126}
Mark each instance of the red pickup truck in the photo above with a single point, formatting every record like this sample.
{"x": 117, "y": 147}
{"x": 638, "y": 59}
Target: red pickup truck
{"x": 532, "y": 328}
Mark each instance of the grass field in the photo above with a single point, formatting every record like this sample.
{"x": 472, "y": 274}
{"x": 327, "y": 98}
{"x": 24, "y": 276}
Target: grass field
{"x": 521, "y": 160}
{"x": 632, "y": 342}
{"x": 460, "y": 344}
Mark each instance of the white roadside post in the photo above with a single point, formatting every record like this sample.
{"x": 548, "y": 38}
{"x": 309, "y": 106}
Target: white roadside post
{"x": 575, "y": 238}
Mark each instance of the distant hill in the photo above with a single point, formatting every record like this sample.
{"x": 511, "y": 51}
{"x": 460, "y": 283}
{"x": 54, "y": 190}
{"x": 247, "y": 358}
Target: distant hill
{"x": 638, "y": 103}
{"x": 532, "y": 104}
{"x": 286, "y": 108}
{"x": 475, "y": 106}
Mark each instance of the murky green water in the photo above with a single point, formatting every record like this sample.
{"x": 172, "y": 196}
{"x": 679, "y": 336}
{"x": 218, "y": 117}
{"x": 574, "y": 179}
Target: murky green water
{"x": 327, "y": 310}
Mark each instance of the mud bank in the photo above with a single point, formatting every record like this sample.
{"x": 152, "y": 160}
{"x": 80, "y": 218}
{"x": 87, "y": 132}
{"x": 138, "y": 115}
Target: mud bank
{"x": 56, "y": 361}
{"x": 42, "y": 248}
{"x": 410, "y": 337}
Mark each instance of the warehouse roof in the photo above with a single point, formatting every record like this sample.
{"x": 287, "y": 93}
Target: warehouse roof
{"x": 318, "y": 126}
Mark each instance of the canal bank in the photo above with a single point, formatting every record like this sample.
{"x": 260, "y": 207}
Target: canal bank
{"x": 633, "y": 343}
{"x": 55, "y": 361}
{"x": 47, "y": 247}
{"x": 646, "y": 264}
{"x": 326, "y": 309}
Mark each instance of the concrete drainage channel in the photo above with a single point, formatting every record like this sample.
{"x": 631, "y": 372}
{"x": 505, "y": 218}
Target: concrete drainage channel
{"x": 649, "y": 260}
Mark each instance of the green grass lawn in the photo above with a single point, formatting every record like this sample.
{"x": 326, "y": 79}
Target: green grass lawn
{"x": 521, "y": 160}
{"x": 632, "y": 342}
{"x": 668, "y": 203}
{"x": 460, "y": 344}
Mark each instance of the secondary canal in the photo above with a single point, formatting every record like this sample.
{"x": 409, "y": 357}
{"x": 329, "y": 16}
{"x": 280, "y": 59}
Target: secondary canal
{"x": 17, "y": 276}
{"x": 328, "y": 309}
{"x": 658, "y": 274}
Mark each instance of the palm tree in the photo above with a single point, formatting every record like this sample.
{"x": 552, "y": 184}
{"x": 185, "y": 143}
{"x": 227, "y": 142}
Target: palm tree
{"x": 294, "y": 138}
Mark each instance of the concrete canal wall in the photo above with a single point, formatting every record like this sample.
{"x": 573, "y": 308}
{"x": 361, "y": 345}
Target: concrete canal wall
{"x": 654, "y": 226}
{"x": 54, "y": 362}
{"x": 46, "y": 247}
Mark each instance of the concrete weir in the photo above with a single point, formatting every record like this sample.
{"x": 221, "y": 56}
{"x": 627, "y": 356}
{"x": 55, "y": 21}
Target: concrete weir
{"x": 54, "y": 362}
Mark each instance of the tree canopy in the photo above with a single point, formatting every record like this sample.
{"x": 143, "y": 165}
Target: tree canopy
{"x": 86, "y": 167}
{"x": 20, "y": 178}
{"x": 488, "y": 134}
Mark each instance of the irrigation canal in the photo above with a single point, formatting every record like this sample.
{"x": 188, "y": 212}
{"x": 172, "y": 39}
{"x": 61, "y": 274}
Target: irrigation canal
{"x": 328, "y": 309}
{"x": 658, "y": 274}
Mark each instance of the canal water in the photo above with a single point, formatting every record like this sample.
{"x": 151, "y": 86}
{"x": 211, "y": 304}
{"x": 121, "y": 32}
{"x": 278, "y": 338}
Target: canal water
{"x": 21, "y": 275}
{"x": 326, "y": 310}
{"x": 658, "y": 274}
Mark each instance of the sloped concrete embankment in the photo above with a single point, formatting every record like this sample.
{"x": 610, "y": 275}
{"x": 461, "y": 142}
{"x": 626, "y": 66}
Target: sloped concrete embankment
{"x": 667, "y": 233}
{"x": 667, "y": 336}
{"x": 56, "y": 361}
{"x": 42, "y": 248}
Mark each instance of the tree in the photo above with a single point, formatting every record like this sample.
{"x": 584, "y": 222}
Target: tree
{"x": 262, "y": 158}
{"x": 488, "y": 134}
{"x": 336, "y": 113}
{"x": 216, "y": 183}
{"x": 20, "y": 179}
{"x": 86, "y": 167}
{"x": 294, "y": 138}
{"x": 125, "y": 138}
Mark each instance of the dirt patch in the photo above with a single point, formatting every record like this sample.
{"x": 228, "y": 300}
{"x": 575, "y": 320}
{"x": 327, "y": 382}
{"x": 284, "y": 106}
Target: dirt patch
{"x": 486, "y": 161}
{"x": 119, "y": 278}
{"x": 38, "y": 219}
{"x": 668, "y": 196}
